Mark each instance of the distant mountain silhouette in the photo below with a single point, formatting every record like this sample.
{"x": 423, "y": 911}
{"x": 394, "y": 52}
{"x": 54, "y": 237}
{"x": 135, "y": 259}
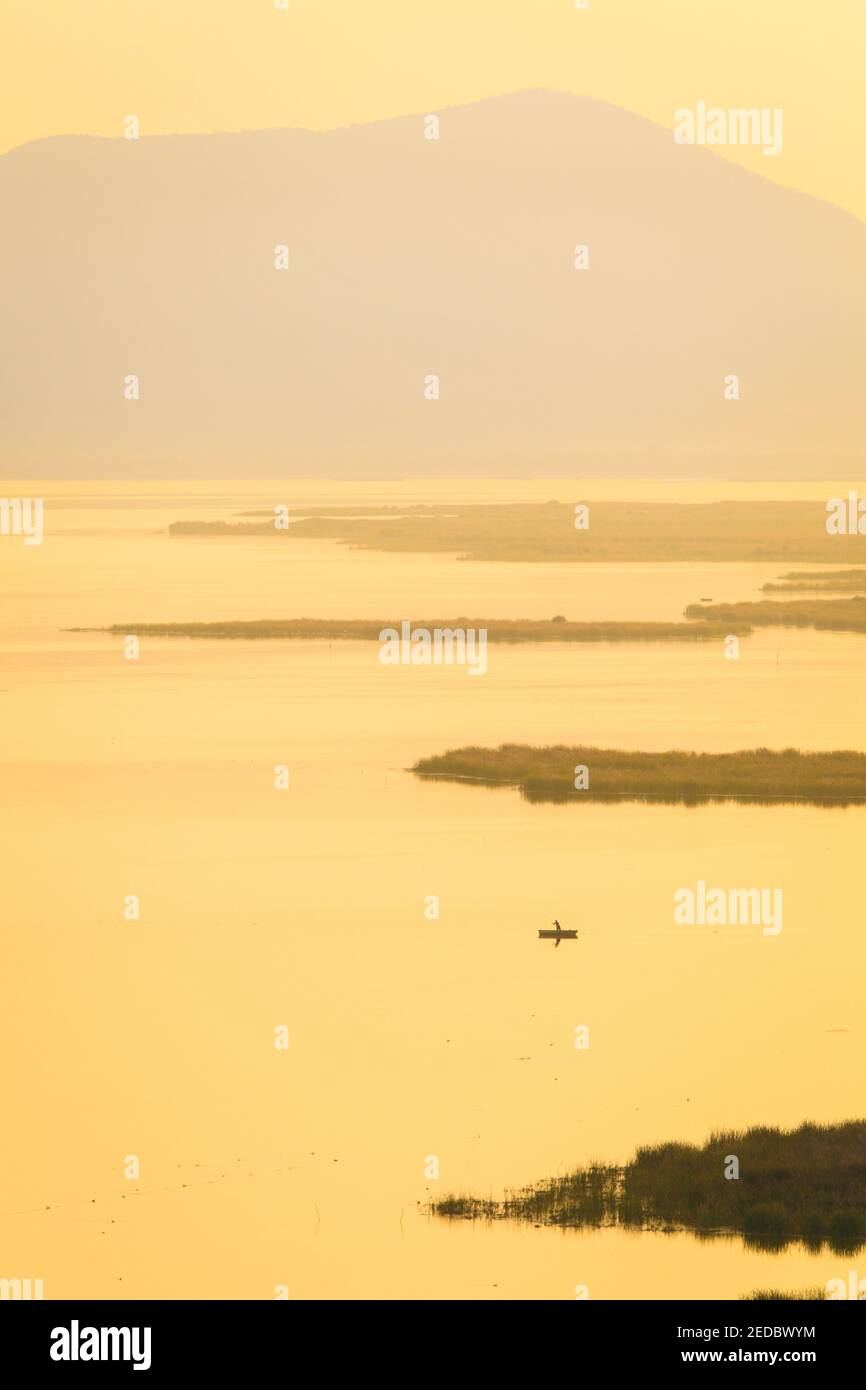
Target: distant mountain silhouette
{"x": 411, "y": 257}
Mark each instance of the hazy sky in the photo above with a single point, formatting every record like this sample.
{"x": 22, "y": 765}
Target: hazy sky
{"x": 204, "y": 65}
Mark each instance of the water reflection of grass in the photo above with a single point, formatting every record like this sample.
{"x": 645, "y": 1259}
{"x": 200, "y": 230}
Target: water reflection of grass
{"x": 807, "y": 1184}
{"x": 756, "y": 774}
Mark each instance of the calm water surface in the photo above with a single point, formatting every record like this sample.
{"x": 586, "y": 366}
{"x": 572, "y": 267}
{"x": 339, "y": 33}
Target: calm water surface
{"x": 408, "y": 1038}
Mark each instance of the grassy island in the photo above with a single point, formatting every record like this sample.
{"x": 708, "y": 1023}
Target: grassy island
{"x": 835, "y": 615}
{"x": 498, "y": 629}
{"x": 753, "y": 774}
{"x": 819, "y": 582}
{"x": 807, "y": 1184}
{"x": 784, "y": 532}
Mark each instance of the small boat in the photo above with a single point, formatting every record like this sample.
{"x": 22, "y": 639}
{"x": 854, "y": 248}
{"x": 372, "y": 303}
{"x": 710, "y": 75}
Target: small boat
{"x": 557, "y": 935}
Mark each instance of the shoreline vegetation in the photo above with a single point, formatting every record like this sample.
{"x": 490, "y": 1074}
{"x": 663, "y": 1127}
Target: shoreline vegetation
{"x": 814, "y": 1295}
{"x": 793, "y": 532}
{"x": 829, "y": 615}
{"x": 497, "y": 629}
{"x": 759, "y": 775}
{"x": 803, "y": 1185}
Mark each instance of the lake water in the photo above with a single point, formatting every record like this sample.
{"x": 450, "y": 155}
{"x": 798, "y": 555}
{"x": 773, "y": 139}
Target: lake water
{"x": 305, "y": 908}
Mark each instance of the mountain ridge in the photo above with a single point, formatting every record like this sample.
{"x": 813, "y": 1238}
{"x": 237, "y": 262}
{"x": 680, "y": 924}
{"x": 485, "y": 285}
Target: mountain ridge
{"x": 411, "y": 258}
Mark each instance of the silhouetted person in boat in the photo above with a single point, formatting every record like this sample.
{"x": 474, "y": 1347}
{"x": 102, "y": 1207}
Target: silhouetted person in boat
{"x": 558, "y": 934}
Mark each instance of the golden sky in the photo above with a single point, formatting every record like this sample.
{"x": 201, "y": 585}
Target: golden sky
{"x": 204, "y": 65}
